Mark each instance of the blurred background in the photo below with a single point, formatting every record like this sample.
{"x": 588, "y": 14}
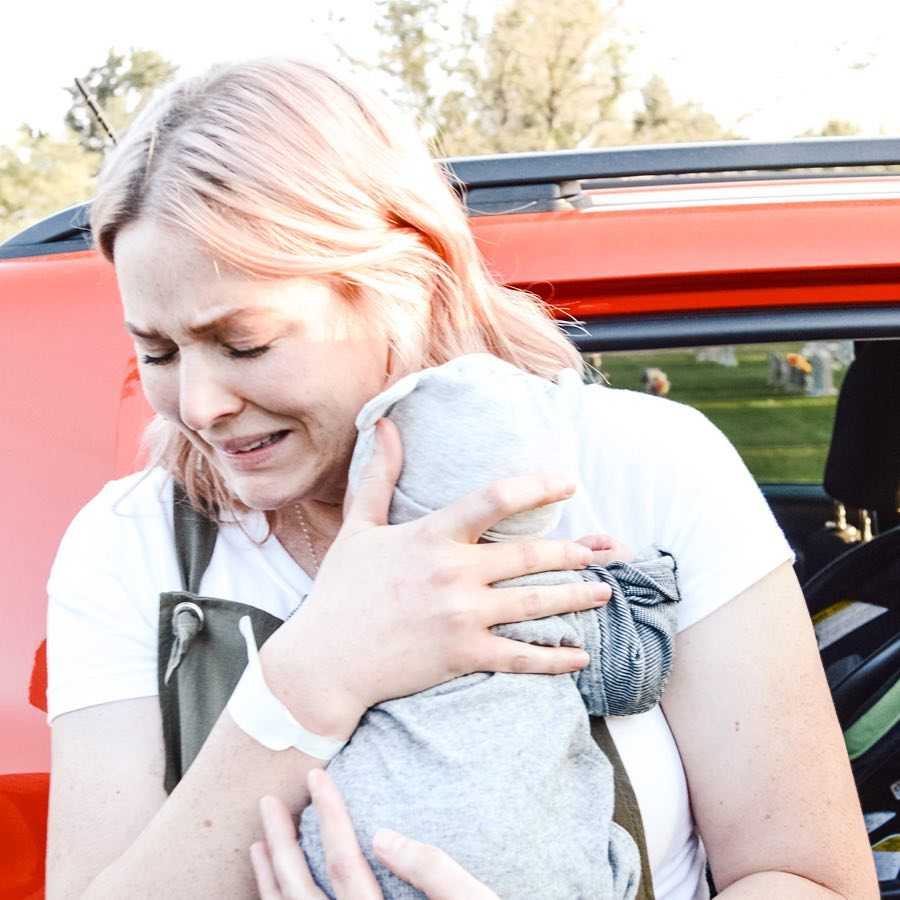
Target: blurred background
{"x": 481, "y": 77}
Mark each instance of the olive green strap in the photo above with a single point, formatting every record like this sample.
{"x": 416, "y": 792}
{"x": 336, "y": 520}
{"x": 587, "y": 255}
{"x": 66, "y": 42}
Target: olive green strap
{"x": 195, "y": 695}
{"x": 626, "y": 813}
{"x": 195, "y": 686}
{"x": 195, "y": 539}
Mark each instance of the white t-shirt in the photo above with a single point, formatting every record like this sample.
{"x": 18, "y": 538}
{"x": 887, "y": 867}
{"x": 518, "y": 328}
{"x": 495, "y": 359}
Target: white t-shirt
{"x": 653, "y": 472}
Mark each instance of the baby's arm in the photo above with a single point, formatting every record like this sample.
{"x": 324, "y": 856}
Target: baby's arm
{"x": 630, "y": 640}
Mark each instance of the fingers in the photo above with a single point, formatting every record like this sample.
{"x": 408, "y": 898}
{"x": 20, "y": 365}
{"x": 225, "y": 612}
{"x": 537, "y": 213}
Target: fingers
{"x": 510, "y": 560}
{"x": 370, "y": 503}
{"x": 430, "y": 870}
{"x": 504, "y": 655}
{"x": 470, "y": 516}
{"x": 266, "y": 885}
{"x": 517, "y": 604}
{"x": 279, "y": 864}
{"x": 596, "y": 542}
{"x": 606, "y": 549}
{"x": 348, "y": 871}
{"x": 603, "y": 558}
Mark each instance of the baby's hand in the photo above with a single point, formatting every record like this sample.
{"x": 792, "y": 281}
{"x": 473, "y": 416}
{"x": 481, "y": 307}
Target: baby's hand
{"x": 606, "y": 549}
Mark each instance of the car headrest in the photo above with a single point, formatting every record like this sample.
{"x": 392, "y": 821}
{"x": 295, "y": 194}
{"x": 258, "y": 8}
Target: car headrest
{"x": 863, "y": 466}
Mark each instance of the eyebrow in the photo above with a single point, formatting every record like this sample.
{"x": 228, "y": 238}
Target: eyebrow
{"x": 221, "y": 322}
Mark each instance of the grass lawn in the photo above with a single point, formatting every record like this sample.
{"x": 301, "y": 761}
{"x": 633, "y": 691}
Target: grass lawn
{"x": 781, "y": 437}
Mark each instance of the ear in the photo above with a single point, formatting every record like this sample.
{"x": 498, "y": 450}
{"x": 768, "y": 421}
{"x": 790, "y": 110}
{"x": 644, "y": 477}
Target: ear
{"x": 381, "y": 403}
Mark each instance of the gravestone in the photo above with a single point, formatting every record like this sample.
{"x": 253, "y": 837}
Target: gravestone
{"x": 822, "y": 382}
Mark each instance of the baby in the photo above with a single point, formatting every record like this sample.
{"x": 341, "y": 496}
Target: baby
{"x": 500, "y": 770}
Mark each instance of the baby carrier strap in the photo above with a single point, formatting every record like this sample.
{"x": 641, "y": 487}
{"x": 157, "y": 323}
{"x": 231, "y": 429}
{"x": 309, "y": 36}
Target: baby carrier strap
{"x": 195, "y": 540}
{"x": 202, "y": 656}
{"x": 201, "y": 653}
{"x": 626, "y": 811}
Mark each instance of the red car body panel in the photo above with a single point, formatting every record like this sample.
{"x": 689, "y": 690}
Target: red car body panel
{"x": 73, "y": 411}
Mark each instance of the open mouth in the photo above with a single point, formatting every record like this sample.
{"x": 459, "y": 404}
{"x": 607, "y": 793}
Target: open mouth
{"x": 269, "y": 441}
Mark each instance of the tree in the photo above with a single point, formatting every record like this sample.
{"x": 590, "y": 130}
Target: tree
{"x": 662, "y": 121}
{"x": 544, "y": 76}
{"x": 40, "y": 175}
{"x": 833, "y": 128}
{"x": 121, "y": 86}
{"x": 551, "y": 76}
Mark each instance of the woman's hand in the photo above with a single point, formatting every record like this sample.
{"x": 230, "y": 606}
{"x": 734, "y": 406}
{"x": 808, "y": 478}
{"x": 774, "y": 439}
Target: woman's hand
{"x": 606, "y": 549}
{"x": 399, "y": 609}
{"x": 282, "y": 873}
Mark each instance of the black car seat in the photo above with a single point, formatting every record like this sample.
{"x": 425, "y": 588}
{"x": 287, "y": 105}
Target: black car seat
{"x": 855, "y": 599}
{"x": 863, "y": 462}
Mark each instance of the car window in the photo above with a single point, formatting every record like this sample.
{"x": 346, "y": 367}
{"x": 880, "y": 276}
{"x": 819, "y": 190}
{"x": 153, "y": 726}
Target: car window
{"x": 775, "y": 402}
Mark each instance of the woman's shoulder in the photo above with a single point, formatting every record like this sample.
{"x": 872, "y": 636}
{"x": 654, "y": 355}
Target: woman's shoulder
{"x": 640, "y": 427}
{"x": 115, "y": 558}
{"x": 146, "y": 493}
{"x": 643, "y": 411}
{"x": 127, "y": 515}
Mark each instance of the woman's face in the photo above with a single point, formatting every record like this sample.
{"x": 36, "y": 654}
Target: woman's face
{"x": 265, "y": 377}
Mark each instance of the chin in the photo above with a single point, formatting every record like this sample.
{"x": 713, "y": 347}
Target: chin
{"x": 259, "y": 496}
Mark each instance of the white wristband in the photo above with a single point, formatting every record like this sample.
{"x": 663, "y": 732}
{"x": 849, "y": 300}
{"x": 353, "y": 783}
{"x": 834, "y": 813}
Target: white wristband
{"x": 260, "y": 714}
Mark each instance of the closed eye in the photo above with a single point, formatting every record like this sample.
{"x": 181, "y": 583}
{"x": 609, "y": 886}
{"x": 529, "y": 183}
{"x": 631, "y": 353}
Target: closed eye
{"x": 233, "y": 352}
{"x": 247, "y": 354}
{"x": 159, "y": 360}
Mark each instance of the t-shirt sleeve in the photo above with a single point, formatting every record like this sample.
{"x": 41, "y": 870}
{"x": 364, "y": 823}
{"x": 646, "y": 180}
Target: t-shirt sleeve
{"x": 712, "y": 517}
{"x": 101, "y": 620}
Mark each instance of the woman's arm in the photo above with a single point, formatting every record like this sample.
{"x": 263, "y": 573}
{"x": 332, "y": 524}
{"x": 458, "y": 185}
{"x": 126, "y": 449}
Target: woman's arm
{"x": 768, "y": 775}
{"x": 113, "y": 833}
{"x": 368, "y": 633}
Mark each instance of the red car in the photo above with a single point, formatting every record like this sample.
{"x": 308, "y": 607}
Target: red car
{"x": 737, "y": 277}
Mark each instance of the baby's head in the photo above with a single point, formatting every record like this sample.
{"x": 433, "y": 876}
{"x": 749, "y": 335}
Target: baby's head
{"x": 469, "y": 422}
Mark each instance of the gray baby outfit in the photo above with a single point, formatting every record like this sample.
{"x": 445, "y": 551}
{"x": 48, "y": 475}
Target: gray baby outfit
{"x": 500, "y": 770}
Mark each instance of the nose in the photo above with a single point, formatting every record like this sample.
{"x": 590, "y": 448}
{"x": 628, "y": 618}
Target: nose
{"x": 205, "y": 394}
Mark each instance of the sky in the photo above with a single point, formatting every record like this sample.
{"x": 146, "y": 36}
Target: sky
{"x": 767, "y": 69}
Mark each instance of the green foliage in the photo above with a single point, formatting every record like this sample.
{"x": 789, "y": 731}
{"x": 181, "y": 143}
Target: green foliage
{"x": 40, "y": 175}
{"x": 121, "y": 86}
{"x": 540, "y": 76}
{"x": 550, "y": 76}
{"x": 410, "y": 30}
{"x": 662, "y": 121}
{"x": 834, "y": 128}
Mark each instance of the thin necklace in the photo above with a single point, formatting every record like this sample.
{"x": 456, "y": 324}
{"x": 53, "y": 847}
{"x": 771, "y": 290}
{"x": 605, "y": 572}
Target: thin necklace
{"x": 304, "y": 528}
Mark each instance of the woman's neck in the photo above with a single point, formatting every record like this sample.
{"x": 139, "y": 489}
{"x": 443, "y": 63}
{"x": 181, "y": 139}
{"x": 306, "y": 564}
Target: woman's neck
{"x": 306, "y": 529}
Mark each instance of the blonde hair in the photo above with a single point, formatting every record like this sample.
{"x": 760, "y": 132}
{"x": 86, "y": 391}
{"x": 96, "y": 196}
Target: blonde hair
{"x": 283, "y": 169}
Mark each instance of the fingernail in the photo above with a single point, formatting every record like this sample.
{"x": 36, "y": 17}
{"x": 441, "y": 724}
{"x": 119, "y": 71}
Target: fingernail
{"x": 581, "y": 661}
{"x": 386, "y": 840}
{"x": 602, "y": 596}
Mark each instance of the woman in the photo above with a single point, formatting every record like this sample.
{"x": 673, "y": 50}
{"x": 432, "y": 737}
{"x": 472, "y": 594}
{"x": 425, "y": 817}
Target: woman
{"x": 285, "y": 249}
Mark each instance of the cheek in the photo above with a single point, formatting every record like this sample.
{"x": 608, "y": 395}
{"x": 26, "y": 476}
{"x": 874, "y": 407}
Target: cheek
{"x": 161, "y": 391}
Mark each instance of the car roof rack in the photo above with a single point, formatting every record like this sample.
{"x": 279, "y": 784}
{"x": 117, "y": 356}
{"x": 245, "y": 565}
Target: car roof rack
{"x": 537, "y": 182}
{"x": 63, "y": 232}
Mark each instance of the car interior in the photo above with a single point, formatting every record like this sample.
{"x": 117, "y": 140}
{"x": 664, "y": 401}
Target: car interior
{"x": 844, "y": 527}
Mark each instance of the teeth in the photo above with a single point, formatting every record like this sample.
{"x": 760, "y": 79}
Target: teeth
{"x": 261, "y": 443}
